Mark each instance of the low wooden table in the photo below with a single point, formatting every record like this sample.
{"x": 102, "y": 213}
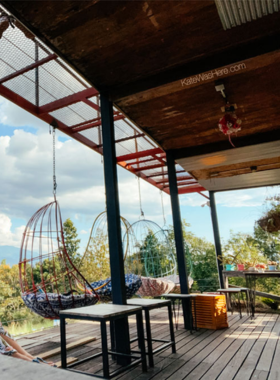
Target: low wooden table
{"x": 105, "y": 313}
{"x": 147, "y": 305}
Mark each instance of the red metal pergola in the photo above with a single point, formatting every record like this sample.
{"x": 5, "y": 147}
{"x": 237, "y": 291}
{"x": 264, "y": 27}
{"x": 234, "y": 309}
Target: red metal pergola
{"x": 37, "y": 80}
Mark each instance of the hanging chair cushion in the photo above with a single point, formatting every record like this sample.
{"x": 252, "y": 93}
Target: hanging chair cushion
{"x": 176, "y": 280}
{"x": 48, "y": 305}
{"x": 154, "y": 287}
{"x": 132, "y": 284}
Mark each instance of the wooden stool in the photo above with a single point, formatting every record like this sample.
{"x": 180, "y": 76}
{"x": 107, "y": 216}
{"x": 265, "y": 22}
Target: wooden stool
{"x": 235, "y": 291}
{"x": 105, "y": 313}
{"x": 147, "y": 305}
{"x": 183, "y": 297}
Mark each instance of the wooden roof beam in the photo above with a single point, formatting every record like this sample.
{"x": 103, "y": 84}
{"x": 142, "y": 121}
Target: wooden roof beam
{"x": 217, "y": 60}
{"x": 244, "y": 141}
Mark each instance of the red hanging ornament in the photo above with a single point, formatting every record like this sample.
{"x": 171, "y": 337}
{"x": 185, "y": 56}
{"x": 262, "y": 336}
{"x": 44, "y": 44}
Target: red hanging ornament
{"x": 229, "y": 123}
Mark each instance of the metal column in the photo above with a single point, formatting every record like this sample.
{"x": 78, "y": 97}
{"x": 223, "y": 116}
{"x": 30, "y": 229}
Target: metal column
{"x": 178, "y": 234}
{"x": 114, "y": 226}
{"x": 216, "y": 237}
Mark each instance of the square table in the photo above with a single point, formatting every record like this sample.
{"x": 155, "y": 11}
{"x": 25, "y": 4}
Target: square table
{"x": 147, "y": 305}
{"x": 105, "y": 313}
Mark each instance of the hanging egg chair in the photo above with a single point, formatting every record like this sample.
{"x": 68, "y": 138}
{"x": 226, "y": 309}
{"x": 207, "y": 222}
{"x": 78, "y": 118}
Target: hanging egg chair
{"x": 95, "y": 263}
{"x": 48, "y": 277}
{"x": 150, "y": 255}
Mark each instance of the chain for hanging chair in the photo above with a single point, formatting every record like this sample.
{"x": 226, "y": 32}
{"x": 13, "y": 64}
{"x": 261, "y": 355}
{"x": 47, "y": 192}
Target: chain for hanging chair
{"x": 142, "y": 215}
{"x": 163, "y": 213}
{"x": 54, "y": 176}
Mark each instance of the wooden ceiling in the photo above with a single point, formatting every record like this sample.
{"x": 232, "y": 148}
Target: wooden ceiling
{"x": 148, "y": 55}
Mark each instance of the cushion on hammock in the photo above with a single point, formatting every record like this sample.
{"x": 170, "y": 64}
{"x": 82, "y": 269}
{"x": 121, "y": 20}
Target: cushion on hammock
{"x": 48, "y": 305}
{"x": 132, "y": 284}
{"x": 154, "y": 287}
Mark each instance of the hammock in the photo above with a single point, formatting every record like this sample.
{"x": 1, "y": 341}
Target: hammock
{"x": 91, "y": 263}
{"x": 154, "y": 287}
{"x": 48, "y": 305}
{"x": 48, "y": 277}
{"x": 104, "y": 287}
{"x": 149, "y": 254}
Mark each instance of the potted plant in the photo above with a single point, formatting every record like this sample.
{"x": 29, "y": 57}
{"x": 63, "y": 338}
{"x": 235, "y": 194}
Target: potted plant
{"x": 240, "y": 264}
{"x": 261, "y": 267}
{"x": 227, "y": 262}
{"x": 270, "y": 222}
{"x": 272, "y": 265}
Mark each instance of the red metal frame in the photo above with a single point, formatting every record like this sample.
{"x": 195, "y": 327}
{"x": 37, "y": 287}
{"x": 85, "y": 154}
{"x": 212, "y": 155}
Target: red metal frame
{"x": 126, "y": 161}
{"x": 28, "y": 68}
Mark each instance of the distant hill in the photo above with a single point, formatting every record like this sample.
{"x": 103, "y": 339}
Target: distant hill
{"x": 10, "y": 254}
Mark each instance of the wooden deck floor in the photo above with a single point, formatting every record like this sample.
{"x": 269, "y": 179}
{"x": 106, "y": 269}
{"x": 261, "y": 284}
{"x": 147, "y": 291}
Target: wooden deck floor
{"x": 246, "y": 350}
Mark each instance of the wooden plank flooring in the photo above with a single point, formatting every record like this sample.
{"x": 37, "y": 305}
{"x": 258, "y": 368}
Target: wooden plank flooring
{"x": 248, "y": 349}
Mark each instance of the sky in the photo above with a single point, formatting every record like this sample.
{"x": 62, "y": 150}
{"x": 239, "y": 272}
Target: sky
{"x": 26, "y": 185}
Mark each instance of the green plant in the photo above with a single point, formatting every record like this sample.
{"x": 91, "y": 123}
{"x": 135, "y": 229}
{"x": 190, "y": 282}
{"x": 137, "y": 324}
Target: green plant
{"x": 271, "y": 303}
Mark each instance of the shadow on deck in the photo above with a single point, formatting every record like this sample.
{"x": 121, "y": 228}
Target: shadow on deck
{"x": 246, "y": 350}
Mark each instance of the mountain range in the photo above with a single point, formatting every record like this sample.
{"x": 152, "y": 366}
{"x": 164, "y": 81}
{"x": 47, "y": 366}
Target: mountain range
{"x": 10, "y": 254}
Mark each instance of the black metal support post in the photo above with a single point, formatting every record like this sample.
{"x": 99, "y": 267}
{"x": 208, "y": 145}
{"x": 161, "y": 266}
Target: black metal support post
{"x": 217, "y": 239}
{"x": 114, "y": 226}
{"x": 178, "y": 234}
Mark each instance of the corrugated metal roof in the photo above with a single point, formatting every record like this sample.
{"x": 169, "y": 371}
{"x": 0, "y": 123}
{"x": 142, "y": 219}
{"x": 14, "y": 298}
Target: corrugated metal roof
{"x": 236, "y": 12}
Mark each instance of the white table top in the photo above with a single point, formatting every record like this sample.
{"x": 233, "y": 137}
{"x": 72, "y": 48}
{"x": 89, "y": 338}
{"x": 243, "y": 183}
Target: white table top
{"x": 175, "y": 295}
{"x": 145, "y": 302}
{"x": 101, "y": 311}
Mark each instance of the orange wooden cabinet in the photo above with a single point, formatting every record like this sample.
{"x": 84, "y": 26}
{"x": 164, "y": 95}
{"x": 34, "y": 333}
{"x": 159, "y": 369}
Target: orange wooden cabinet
{"x": 211, "y": 311}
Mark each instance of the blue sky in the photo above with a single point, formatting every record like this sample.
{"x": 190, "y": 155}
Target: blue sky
{"x": 26, "y": 185}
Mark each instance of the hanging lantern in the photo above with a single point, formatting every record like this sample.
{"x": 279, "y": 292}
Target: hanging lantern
{"x": 229, "y": 123}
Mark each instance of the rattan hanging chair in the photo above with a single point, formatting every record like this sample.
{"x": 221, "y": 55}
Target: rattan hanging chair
{"x": 48, "y": 277}
{"x": 150, "y": 255}
{"x": 95, "y": 263}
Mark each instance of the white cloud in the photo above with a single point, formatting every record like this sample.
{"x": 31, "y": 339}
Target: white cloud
{"x": 83, "y": 232}
{"x": 14, "y": 116}
{"x": 7, "y": 237}
{"x": 237, "y": 198}
{"x": 26, "y": 181}
{"x": 242, "y": 198}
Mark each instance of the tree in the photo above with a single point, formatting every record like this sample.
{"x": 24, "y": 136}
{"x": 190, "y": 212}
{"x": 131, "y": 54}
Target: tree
{"x": 200, "y": 259}
{"x": 267, "y": 243}
{"x": 95, "y": 265}
{"x": 71, "y": 241}
{"x": 244, "y": 248}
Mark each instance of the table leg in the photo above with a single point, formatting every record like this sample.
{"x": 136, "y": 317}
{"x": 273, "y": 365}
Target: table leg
{"x": 247, "y": 302}
{"x": 149, "y": 338}
{"x": 104, "y": 349}
{"x": 251, "y": 285}
{"x": 63, "y": 342}
{"x": 113, "y": 338}
{"x": 194, "y": 309}
{"x": 239, "y": 305}
{"x": 172, "y": 336}
{"x": 141, "y": 339}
